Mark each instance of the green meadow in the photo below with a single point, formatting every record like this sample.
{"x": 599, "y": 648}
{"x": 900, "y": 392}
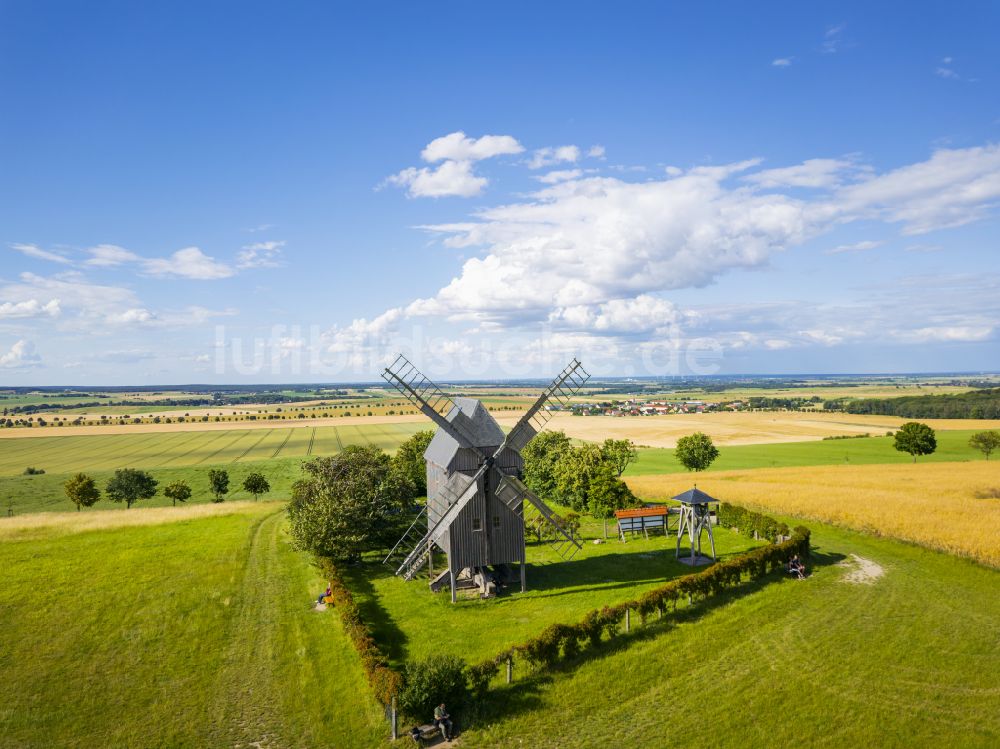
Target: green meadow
{"x": 951, "y": 446}
{"x": 200, "y": 632}
{"x": 416, "y": 623}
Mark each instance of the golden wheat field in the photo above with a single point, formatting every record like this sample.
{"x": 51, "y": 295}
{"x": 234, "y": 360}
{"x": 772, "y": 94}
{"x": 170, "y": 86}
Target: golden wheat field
{"x": 933, "y": 505}
{"x": 745, "y": 428}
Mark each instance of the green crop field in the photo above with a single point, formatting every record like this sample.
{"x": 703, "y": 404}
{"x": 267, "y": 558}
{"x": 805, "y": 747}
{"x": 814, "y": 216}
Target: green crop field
{"x": 173, "y": 456}
{"x": 951, "y": 446}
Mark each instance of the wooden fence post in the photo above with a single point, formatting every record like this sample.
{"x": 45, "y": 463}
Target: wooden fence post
{"x": 510, "y": 669}
{"x": 394, "y": 720}
{"x": 628, "y": 620}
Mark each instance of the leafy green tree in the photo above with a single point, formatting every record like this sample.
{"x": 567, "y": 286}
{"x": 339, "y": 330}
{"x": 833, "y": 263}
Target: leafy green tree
{"x": 178, "y": 491}
{"x": 574, "y": 470}
{"x": 590, "y": 483}
{"x": 608, "y": 493}
{"x": 431, "y": 681}
{"x": 985, "y": 442}
{"x": 619, "y": 454}
{"x": 256, "y": 484}
{"x": 916, "y": 439}
{"x": 129, "y": 485}
{"x": 696, "y": 452}
{"x": 349, "y": 503}
{"x": 218, "y": 483}
{"x": 540, "y": 458}
{"x": 409, "y": 461}
{"x": 82, "y": 491}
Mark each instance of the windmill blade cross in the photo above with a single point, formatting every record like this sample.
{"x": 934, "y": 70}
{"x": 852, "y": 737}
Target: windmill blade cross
{"x": 563, "y": 388}
{"x": 429, "y": 398}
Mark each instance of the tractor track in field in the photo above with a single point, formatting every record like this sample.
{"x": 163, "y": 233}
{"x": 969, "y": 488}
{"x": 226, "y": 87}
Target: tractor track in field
{"x": 246, "y": 452}
{"x": 281, "y": 447}
{"x": 246, "y": 712}
{"x": 224, "y": 447}
{"x": 312, "y": 439}
{"x": 340, "y": 443}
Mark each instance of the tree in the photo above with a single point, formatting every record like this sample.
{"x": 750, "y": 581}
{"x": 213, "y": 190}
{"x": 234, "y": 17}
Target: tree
{"x": 540, "y": 458}
{"x": 574, "y": 470}
{"x": 178, "y": 491}
{"x": 590, "y": 483}
{"x": 129, "y": 485}
{"x": 916, "y": 439}
{"x": 608, "y": 493}
{"x": 256, "y": 484}
{"x": 619, "y": 454}
{"x": 82, "y": 491}
{"x": 409, "y": 461}
{"x": 431, "y": 681}
{"x": 696, "y": 451}
{"x": 350, "y": 503}
{"x": 218, "y": 484}
{"x": 985, "y": 442}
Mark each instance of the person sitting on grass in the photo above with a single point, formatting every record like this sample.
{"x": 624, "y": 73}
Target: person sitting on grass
{"x": 443, "y": 721}
{"x": 796, "y": 567}
{"x": 329, "y": 592}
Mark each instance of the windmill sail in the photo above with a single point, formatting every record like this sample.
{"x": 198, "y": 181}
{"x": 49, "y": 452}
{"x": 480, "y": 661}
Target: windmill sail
{"x": 429, "y": 398}
{"x": 564, "y": 387}
{"x": 513, "y": 493}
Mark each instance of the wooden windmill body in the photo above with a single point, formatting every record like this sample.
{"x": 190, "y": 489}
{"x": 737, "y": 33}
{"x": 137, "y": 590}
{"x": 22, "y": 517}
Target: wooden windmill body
{"x": 475, "y": 497}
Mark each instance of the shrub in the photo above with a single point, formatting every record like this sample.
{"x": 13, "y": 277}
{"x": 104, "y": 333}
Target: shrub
{"x": 429, "y": 682}
{"x": 32, "y": 471}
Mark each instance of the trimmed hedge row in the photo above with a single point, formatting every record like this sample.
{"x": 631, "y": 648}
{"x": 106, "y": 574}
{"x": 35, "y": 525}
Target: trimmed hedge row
{"x": 565, "y": 641}
{"x": 383, "y": 680}
{"x": 748, "y": 521}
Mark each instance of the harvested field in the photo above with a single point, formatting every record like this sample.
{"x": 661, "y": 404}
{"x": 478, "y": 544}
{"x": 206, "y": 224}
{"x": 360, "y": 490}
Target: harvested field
{"x": 931, "y": 504}
{"x": 738, "y": 428}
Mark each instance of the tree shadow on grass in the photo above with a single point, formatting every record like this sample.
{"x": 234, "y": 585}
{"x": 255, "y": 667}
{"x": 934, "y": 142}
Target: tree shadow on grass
{"x": 386, "y": 632}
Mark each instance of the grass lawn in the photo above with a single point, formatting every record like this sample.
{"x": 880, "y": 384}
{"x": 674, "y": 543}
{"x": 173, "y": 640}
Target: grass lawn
{"x": 952, "y": 446}
{"x": 909, "y": 659}
{"x": 192, "y": 633}
{"x": 412, "y": 622}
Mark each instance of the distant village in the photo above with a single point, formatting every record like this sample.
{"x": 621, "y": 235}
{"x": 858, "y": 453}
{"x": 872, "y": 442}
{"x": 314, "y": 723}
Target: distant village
{"x": 649, "y": 408}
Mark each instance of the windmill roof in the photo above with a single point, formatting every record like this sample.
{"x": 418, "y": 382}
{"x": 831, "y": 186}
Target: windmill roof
{"x": 484, "y": 430}
{"x": 694, "y": 497}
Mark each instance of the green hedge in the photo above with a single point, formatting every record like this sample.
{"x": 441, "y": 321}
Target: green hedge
{"x": 383, "y": 680}
{"x": 565, "y": 641}
{"x": 748, "y": 521}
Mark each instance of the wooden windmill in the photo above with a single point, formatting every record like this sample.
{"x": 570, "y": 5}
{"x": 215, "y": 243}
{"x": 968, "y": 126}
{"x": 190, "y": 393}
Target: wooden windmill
{"x": 695, "y": 518}
{"x": 475, "y": 496}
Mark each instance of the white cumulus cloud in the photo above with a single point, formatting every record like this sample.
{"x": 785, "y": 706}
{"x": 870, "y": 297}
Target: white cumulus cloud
{"x": 21, "y": 355}
{"x": 454, "y": 175}
{"x": 29, "y": 308}
{"x": 555, "y": 155}
{"x": 189, "y": 262}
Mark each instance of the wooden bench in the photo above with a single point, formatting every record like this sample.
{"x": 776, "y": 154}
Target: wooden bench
{"x": 428, "y": 731}
{"x": 642, "y": 520}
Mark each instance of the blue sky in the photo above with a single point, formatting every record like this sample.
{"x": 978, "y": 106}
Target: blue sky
{"x": 240, "y": 192}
